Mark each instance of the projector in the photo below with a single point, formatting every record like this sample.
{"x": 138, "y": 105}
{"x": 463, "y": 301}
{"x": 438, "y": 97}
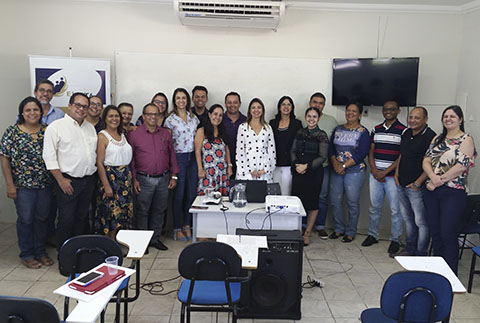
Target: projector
{"x": 283, "y": 204}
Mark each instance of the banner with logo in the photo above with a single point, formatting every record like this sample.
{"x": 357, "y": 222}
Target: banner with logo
{"x": 69, "y": 75}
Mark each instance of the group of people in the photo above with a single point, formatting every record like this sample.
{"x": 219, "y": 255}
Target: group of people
{"x": 95, "y": 161}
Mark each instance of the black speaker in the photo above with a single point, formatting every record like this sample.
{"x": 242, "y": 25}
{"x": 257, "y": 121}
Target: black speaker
{"x": 275, "y": 288}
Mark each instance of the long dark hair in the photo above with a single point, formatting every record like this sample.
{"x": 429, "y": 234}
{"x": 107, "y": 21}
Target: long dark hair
{"x": 182, "y": 90}
{"x": 208, "y": 127}
{"x": 104, "y": 118}
{"x": 278, "y": 116}
{"x": 458, "y": 111}
{"x": 21, "y": 106}
{"x": 249, "y": 113}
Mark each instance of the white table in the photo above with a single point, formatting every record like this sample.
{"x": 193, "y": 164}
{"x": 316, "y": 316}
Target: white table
{"x": 136, "y": 240}
{"x": 433, "y": 265}
{"x": 209, "y": 222}
{"x": 90, "y": 307}
{"x": 246, "y": 247}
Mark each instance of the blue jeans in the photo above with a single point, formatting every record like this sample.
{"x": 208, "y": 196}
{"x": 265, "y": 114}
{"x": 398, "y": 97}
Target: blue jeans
{"x": 377, "y": 194}
{"x": 412, "y": 208}
{"x": 33, "y": 208}
{"x": 322, "y": 201}
{"x": 186, "y": 189}
{"x": 350, "y": 184}
{"x": 444, "y": 207}
{"x": 151, "y": 204}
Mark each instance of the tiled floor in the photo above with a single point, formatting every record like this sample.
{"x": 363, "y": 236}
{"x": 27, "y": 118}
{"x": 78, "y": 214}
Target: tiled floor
{"x": 353, "y": 278}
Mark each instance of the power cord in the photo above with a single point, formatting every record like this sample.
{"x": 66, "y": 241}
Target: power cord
{"x": 311, "y": 283}
{"x": 224, "y": 208}
{"x": 155, "y": 288}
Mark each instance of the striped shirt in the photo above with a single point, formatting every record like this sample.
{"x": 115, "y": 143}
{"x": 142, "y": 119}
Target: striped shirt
{"x": 387, "y": 144}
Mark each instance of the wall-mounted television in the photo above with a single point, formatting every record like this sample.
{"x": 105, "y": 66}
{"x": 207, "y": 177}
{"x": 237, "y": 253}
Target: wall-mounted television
{"x": 373, "y": 81}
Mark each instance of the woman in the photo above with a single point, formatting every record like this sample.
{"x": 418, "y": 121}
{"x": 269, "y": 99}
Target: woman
{"x": 161, "y": 101}
{"x": 28, "y": 181}
{"x": 126, "y": 109}
{"x": 114, "y": 154}
{"x": 284, "y": 127}
{"x": 348, "y": 148}
{"x": 183, "y": 124}
{"x": 212, "y": 153}
{"x": 255, "y": 156}
{"x": 447, "y": 162}
{"x": 309, "y": 151}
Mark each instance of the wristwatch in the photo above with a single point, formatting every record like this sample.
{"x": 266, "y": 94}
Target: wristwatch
{"x": 174, "y": 177}
{"x": 344, "y": 166}
{"x": 415, "y": 185}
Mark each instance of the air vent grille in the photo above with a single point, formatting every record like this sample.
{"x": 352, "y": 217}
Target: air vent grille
{"x": 228, "y": 8}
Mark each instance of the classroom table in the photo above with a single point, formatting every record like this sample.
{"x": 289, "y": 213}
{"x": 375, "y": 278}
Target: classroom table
{"x": 210, "y": 220}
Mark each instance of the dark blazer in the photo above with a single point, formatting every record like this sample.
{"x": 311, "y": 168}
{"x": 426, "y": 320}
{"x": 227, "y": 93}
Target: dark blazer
{"x": 284, "y": 140}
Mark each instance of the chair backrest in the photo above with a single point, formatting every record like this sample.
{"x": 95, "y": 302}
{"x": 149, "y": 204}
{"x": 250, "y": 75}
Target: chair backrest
{"x": 82, "y": 253}
{"x": 471, "y": 214}
{"x": 209, "y": 260}
{"x": 27, "y": 310}
{"x": 417, "y": 296}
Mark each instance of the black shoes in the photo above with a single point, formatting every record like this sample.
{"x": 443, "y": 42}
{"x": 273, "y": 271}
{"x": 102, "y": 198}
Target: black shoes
{"x": 394, "y": 247}
{"x": 335, "y": 235}
{"x": 369, "y": 241}
{"x": 159, "y": 245}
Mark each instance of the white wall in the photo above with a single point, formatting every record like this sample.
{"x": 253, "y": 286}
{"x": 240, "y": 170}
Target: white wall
{"x": 469, "y": 86}
{"x": 97, "y": 29}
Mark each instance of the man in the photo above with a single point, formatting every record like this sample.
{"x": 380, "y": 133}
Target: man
{"x": 44, "y": 93}
{"x": 154, "y": 168}
{"x": 327, "y": 123}
{"x": 232, "y": 119}
{"x": 200, "y": 99}
{"x": 94, "y": 111}
{"x": 409, "y": 176}
{"x": 382, "y": 158}
{"x": 69, "y": 152}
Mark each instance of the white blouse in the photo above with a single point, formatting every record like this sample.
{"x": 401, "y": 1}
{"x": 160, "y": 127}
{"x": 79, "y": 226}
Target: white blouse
{"x": 255, "y": 152}
{"x": 183, "y": 133}
{"x": 118, "y": 153}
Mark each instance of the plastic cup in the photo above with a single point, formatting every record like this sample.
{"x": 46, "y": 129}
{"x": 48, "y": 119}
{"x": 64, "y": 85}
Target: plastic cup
{"x": 112, "y": 260}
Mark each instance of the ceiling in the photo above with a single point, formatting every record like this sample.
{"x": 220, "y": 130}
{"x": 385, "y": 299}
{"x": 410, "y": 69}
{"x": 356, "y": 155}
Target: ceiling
{"x": 396, "y": 2}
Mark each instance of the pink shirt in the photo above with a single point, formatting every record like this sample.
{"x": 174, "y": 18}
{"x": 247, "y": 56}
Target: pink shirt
{"x": 153, "y": 152}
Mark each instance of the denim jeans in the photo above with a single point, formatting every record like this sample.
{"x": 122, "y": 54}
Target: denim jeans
{"x": 378, "y": 191}
{"x": 33, "y": 208}
{"x": 444, "y": 207}
{"x": 151, "y": 204}
{"x": 350, "y": 184}
{"x": 322, "y": 201}
{"x": 412, "y": 208}
{"x": 186, "y": 189}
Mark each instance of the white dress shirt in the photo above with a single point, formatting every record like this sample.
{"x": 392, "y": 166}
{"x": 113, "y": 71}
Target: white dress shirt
{"x": 70, "y": 147}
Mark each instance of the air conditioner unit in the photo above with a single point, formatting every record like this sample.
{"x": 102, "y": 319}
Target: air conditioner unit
{"x": 226, "y": 13}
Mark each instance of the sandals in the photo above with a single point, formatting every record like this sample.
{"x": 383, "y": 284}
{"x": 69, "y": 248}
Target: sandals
{"x": 46, "y": 261}
{"x": 32, "y": 263}
{"x": 179, "y": 236}
{"x": 335, "y": 235}
{"x": 187, "y": 230}
{"x": 347, "y": 239}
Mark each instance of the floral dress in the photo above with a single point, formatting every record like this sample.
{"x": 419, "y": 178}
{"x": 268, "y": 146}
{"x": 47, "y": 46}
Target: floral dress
{"x": 215, "y": 166}
{"x": 116, "y": 211}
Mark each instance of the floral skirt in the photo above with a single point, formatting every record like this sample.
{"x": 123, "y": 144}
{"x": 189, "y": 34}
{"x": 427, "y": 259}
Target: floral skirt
{"x": 116, "y": 211}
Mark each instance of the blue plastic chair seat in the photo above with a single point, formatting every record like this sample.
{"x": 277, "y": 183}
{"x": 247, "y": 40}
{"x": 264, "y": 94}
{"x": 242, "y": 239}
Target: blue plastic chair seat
{"x": 375, "y": 315}
{"x": 207, "y": 292}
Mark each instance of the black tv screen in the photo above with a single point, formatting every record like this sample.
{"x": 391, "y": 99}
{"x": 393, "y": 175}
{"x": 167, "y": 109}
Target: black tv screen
{"x": 373, "y": 81}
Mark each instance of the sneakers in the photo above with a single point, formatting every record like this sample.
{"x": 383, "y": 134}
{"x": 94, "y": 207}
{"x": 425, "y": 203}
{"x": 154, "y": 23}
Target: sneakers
{"x": 394, "y": 247}
{"x": 403, "y": 252}
{"x": 369, "y": 241}
{"x": 323, "y": 234}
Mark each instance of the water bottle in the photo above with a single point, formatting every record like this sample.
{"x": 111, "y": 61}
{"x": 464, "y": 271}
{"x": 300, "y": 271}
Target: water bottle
{"x": 239, "y": 195}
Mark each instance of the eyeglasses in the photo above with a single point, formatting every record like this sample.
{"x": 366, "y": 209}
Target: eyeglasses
{"x": 152, "y": 114}
{"x": 45, "y": 91}
{"x": 80, "y": 106}
{"x": 159, "y": 102}
{"x": 96, "y": 105}
{"x": 285, "y": 105}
